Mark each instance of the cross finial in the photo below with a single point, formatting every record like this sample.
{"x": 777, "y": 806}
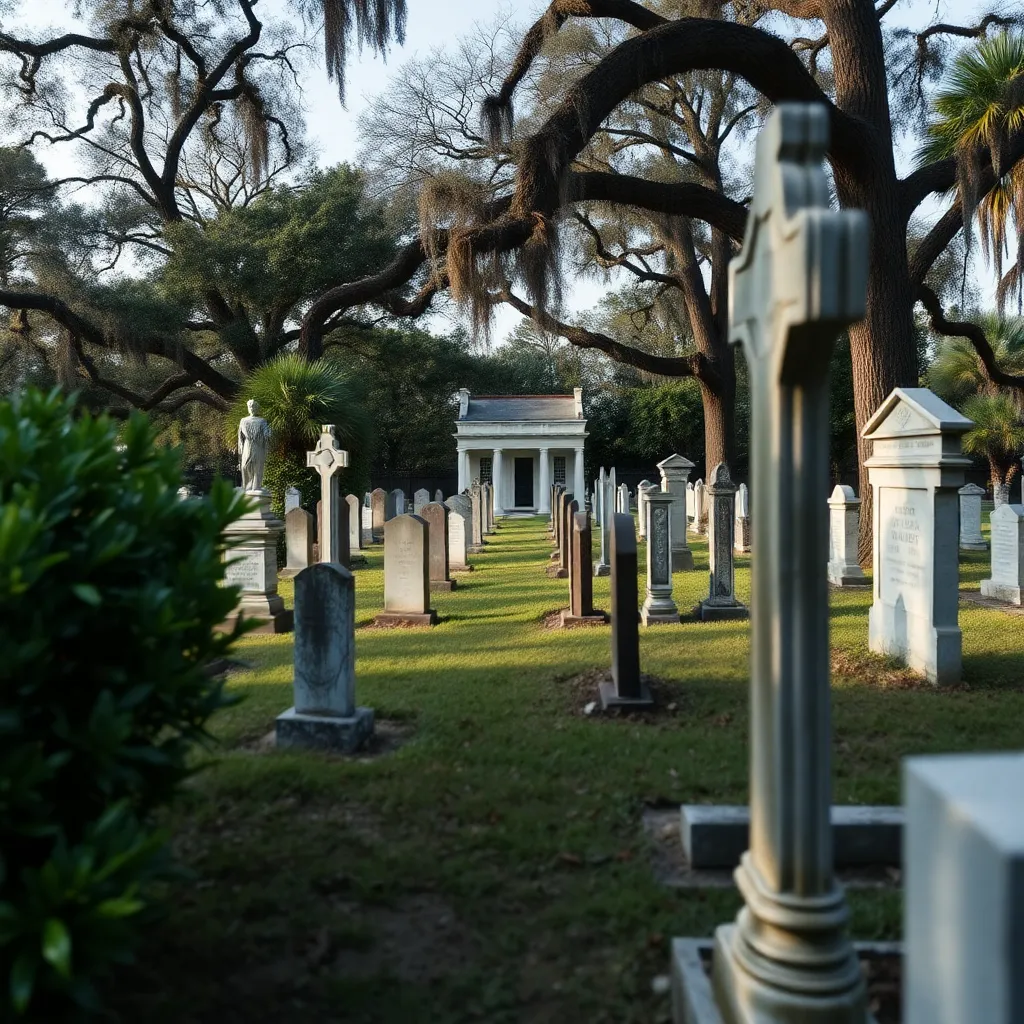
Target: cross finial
{"x": 802, "y": 273}
{"x": 328, "y": 456}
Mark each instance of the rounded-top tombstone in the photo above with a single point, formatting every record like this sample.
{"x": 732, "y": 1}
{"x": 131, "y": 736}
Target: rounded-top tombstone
{"x": 407, "y": 573}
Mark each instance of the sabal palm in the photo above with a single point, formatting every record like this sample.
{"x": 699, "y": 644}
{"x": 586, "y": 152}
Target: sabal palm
{"x": 982, "y": 105}
{"x": 997, "y": 434}
{"x": 957, "y": 373}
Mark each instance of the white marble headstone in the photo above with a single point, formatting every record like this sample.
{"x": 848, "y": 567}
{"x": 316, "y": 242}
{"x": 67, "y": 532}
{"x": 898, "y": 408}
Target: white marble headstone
{"x": 1007, "y": 527}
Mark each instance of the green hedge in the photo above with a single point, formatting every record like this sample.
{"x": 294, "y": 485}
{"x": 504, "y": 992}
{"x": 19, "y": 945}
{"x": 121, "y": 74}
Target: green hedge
{"x": 110, "y": 589}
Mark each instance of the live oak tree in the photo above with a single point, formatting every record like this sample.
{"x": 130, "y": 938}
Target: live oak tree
{"x": 206, "y": 238}
{"x": 844, "y": 58}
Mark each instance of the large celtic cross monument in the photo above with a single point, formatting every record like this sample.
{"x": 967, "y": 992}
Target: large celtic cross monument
{"x": 800, "y": 279}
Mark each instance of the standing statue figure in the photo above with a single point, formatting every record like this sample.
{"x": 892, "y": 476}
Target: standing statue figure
{"x": 253, "y": 442}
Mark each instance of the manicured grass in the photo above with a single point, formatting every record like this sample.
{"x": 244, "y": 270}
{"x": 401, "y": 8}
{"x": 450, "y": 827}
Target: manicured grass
{"x": 492, "y": 867}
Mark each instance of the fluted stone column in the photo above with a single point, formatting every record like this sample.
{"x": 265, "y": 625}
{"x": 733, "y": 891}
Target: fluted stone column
{"x": 497, "y": 482}
{"x": 545, "y": 481}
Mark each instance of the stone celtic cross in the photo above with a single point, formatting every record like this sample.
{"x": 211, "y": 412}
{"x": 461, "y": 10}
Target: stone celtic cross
{"x": 800, "y": 278}
{"x": 327, "y": 458}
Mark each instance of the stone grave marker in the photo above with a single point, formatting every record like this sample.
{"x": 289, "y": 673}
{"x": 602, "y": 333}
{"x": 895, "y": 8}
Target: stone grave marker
{"x": 488, "y": 500}
{"x": 689, "y": 503}
{"x": 419, "y": 499}
{"x": 355, "y": 524}
{"x": 641, "y": 510}
{"x": 627, "y": 688}
{"x": 325, "y": 715}
{"x": 659, "y": 607}
{"x": 436, "y": 515}
{"x": 477, "y": 519}
{"x": 844, "y": 531}
{"x": 675, "y": 473}
{"x": 439, "y": 496}
{"x": 800, "y": 278}
{"x": 458, "y": 533}
{"x": 378, "y": 513}
{"x": 606, "y": 506}
{"x": 298, "y": 541}
{"x": 623, "y": 505}
{"x": 963, "y": 889}
{"x": 581, "y": 577}
{"x": 971, "y": 538}
{"x": 721, "y": 601}
{"x": 700, "y": 521}
{"x": 407, "y": 573}
{"x": 252, "y": 566}
{"x": 292, "y": 499}
{"x": 915, "y": 471}
{"x": 1007, "y": 528}
{"x": 395, "y": 505}
{"x": 741, "y": 540}
{"x": 328, "y": 459}
{"x": 567, "y": 508}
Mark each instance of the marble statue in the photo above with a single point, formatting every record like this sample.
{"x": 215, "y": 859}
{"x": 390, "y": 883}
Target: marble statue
{"x": 253, "y": 442}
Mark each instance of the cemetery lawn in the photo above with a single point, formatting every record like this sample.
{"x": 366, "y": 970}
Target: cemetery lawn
{"x": 491, "y": 865}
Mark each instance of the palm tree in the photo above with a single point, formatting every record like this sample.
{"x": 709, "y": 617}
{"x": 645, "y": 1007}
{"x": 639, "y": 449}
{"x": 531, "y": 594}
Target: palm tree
{"x": 296, "y": 397}
{"x": 998, "y": 413}
{"x": 983, "y": 104}
{"x": 997, "y": 434}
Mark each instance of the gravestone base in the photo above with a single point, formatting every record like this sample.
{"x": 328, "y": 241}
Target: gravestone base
{"x": 682, "y": 561}
{"x": 403, "y": 619}
{"x": 567, "y": 619}
{"x": 443, "y": 585}
{"x": 460, "y": 568}
{"x": 659, "y": 618}
{"x": 602, "y": 569}
{"x": 345, "y": 735}
{"x": 708, "y": 612}
{"x": 838, "y": 578}
{"x": 966, "y": 546}
{"x": 693, "y": 997}
{"x": 553, "y": 555}
{"x": 1001, "y": 592}
{"x": 354, "y": 559}
{"x": 273, "y": 619}
{"x": 611, "y": 699}
{"x": 556, "y": 573}
{"x": 936, "y": 651}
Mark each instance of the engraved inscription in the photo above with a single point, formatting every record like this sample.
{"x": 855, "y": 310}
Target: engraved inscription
{"x": 246, "y": 571}
{"x": 1004, "y": 554}
{"x": 905, "y": 548}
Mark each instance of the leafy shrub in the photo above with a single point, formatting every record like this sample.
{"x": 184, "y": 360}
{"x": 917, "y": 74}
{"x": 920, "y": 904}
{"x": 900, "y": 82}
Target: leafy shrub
{"x": 110, "y": 589}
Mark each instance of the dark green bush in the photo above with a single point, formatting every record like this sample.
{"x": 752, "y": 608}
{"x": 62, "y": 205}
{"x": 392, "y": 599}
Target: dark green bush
{"x": 110, "y": 589}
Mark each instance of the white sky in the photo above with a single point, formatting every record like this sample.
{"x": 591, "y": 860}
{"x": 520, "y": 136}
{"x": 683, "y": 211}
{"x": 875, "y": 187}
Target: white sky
{"x": 434, "y": 23}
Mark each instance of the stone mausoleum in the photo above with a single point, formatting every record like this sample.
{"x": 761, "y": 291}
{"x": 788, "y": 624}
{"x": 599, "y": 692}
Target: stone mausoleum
{"x": 521, "y": 444}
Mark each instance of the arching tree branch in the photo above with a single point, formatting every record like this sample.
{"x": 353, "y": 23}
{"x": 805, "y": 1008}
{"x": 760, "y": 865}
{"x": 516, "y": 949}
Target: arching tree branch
{"x": 972, "y": 332}
{"x": 666, "y": 366}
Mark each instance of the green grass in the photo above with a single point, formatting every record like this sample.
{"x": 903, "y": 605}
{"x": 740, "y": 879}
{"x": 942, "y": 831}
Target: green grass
{"x": 492, "y": 868}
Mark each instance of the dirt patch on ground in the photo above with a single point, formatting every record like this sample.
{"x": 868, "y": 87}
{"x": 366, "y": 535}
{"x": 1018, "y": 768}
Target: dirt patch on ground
{"x": 974, "y": 597}
{"x": 884, "y": 673}
{"x": 582, "y": 692}
{"x": 388, "y": 736}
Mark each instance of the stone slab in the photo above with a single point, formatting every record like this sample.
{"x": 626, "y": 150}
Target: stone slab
{"x": 717, "y": 613}
{"x": 597, "y": 619}
{"x": 851, "y": 582}
{"x": 693, "y": 999}
{"x": 557, "y": 574}
{"x": 445, "y": 585}
{"x": 682, "y": 561}
{"x": 717, "y": 835}
{"x": 983, "y": 546}
{"x": 611, "y": 699}
{"x": 324, "y": 732}
{"x": 406, "y": 619}
{"x": 1001, "y": 592}
{"x": 281, "y": 622}
{"x": 654, "y": 619}
{"x": 602, "y": 570}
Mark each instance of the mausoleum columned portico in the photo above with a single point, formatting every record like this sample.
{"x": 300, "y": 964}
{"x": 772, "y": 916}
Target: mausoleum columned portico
{"x": 521, "y": 444}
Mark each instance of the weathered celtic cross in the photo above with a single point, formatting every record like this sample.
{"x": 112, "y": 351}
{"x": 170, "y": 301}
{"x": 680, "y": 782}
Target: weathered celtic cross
{"x": 800, "y": 279}
{"x": 327, "y": 458}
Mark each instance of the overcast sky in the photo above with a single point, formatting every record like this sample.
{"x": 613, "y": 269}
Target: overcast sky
{"x": 434, "y": 23}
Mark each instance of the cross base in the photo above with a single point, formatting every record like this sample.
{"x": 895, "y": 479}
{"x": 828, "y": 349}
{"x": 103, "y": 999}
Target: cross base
{"x": 442, "y": 584}
{"x": 428, "y": 618}
{"x": 707, "y": 612}
{"x": 610, "y": 698}
{"x": 343, "y": 734}
{"x": 568, "y": 620}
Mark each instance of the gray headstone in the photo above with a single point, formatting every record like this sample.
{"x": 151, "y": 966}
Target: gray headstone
{"x": 406, "y": 565}
{"x": 458, "y": 533}
{"x": 325, "y": 715}
{"x": 436, "y": 516}
{"x": 566, "y": 512}
{"x": 581, "y": 578}
{"x": 1007, "y": 579}
{"x": 700, "y": 522}
{"x": 970, "y": 518}
{"x": 292, "y": 499}
{"x": 675, "y": 474}
{"x": 963, "y": 889}
{"x": 355, "y": 523}
{"x": 439, "y": 496}
{"x": 741, "y": 542}
{"x": 298, "y": 540}
{"x": 659, "y": 607}
{"x": 623, "y": 505}
{"x": 378, "y": 510}
{"x": 915, "y": 471}
{"x": 844, "y": 531}
{"x": 721, "y": 601}
{"x": 419, "y": 499}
